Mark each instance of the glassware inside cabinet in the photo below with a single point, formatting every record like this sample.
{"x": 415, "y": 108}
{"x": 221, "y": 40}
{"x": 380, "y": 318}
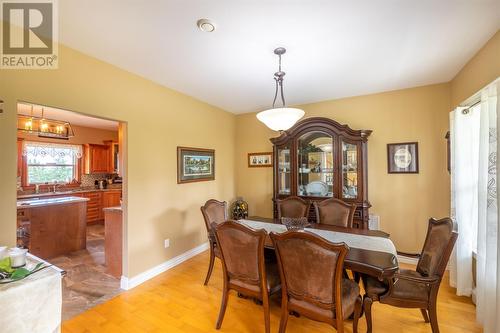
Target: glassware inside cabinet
{"x": 315, "y": 165}
{"x": 349, "y": 170}
{"x": 284, "y": 171}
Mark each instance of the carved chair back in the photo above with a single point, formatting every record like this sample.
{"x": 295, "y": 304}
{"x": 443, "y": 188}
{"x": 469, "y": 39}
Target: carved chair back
{"x": 242, "y": 252}
{"x": 214, "y": 211}
{"x": 335, "y": 212}
{"x": 292, "y": 207}
{"x": 311, "y": 269}
{"x": 439, "y": 242}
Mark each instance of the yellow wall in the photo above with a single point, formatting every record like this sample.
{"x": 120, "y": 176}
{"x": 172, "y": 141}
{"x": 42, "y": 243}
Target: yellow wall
{"x": 158, "y": 120}
{"x": 403, "y": 201}
{"x": 482, "y": 69}
{"x": 83, "y": 135}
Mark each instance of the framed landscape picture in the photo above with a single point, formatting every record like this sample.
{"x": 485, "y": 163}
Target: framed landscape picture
{"x": 195, "y": 165}
{"x": 259, "y": 160}
{"x": 402, "y": 157}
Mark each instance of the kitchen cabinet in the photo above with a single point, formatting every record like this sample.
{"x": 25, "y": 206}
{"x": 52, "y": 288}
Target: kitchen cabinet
{"x": 94, "y": 206}
{"x": 114, "y": 159}
{"x": 97, "y": 158}
{"x": 111, "y": 199}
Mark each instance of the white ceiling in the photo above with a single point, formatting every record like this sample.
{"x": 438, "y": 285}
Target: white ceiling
{"x": 336, "y": 48}
{"x": 72, "y": 117}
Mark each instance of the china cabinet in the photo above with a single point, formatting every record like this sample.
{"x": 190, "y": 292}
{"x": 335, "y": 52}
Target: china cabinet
{"x": 319, "y": 158}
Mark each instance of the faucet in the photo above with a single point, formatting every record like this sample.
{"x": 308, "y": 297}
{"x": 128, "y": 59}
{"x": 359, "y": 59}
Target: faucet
{"x": 55, "y": 186}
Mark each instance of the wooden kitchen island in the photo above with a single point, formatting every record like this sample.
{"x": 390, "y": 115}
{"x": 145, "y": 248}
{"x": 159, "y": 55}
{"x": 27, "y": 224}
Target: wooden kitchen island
{"x": 53, "y": 226}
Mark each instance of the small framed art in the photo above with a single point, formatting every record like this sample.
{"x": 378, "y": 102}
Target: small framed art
{"x": 259, "y": 160}
{"x": 402, "y": 157}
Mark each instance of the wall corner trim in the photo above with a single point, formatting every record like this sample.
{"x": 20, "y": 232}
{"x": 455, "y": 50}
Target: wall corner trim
{"x": 129, "y": 283}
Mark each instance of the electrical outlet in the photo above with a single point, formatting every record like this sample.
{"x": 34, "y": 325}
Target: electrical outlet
{"x": 167, "y": 243}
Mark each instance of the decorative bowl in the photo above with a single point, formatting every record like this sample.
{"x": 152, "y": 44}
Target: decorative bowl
{"x": 295, "y": 223}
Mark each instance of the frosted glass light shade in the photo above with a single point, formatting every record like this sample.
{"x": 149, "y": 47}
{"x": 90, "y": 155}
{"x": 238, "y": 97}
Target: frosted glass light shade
{"x": 280, "y": 119}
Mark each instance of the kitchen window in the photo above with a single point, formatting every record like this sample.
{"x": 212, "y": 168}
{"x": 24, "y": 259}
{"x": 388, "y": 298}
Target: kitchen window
{"x": 48, "y": 163}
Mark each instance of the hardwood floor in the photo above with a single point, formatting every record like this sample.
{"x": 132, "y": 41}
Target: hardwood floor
{"x": 177, "y": 301}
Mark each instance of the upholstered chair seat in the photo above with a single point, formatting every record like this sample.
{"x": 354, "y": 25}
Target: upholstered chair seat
{"x": 402, "y": 289}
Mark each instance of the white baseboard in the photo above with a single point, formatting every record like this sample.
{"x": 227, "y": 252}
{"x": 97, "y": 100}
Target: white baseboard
{"x": 414, "y": 261}
{"x": 129, "y": 283}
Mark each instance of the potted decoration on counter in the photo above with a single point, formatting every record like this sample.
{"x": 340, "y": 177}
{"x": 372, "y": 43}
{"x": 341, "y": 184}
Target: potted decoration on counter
{"x": 13, "y": 267}
{"x": 239, "y": 209}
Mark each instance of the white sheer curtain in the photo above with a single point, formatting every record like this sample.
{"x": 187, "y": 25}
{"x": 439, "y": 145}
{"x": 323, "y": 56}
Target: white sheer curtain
{"x": 464, "y": 134}
{"x": 475, "y": 204}
{"x": 488, "y": 267}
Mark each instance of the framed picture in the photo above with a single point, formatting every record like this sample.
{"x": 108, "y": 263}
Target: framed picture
{"x": 402, "y": 157}
{"x": 195, "y": 165}
{"x": 260, "y": 160}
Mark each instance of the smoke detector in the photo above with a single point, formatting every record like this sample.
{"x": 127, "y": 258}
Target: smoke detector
{"x": 206, "y": 25}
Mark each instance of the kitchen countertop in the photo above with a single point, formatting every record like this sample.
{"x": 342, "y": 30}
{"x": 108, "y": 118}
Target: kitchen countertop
{"x": 113, "y": 209}
{"x": 33, "y": 203}
{"x": 66, "y": 192}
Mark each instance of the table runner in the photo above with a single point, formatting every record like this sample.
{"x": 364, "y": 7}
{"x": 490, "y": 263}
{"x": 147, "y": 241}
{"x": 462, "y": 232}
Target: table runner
{"x": 371, "y": 243}
{"x": 33, "y": 304}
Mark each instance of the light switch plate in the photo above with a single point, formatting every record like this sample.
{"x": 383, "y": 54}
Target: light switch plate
{"x": 167, "y": 243}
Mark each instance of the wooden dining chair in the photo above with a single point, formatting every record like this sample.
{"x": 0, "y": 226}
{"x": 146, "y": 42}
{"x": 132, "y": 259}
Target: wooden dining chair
{"x": 416, "y": 288}
{"x": 334, "y": 212}
{"x": 246, "y": 269}
{"x": 213, "y": 211}
{"x": 311, "y": 271}
{"x": 292, "y": 207}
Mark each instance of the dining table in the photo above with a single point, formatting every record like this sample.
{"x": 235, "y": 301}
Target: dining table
{"x": 370, "y": 252}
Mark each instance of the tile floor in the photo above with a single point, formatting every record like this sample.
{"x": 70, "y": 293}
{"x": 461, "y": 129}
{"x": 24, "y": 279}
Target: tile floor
{"x": 86, "y": 283}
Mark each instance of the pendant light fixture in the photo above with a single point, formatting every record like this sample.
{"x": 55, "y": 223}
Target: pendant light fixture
{"x": 44, "y": 128}
{"x": 280, "y": 118}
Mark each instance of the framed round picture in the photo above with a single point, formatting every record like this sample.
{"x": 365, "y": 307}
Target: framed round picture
{"x": 402, "y": 157}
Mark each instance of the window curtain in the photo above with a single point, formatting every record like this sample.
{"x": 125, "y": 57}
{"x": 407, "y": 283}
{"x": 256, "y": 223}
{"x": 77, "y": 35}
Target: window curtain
{"x": 464, "y": 135}
{"x": 474, "y": 204}
{"x": 488, "y": 249}
{"x": 54, "y": 150}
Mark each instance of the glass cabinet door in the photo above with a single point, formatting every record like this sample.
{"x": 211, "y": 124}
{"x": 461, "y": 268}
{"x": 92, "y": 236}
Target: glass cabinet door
{"x": 315, "y": 165}
{"x": 284, "y": 171}
{"x": 349, "y": 170}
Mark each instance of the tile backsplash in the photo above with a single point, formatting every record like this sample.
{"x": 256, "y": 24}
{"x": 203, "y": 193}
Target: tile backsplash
{"x": 89, "y": 180}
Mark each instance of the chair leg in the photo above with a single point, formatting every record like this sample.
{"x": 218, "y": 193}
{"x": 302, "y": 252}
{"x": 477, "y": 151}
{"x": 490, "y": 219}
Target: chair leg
{"x": 225, "y": 294}
{"x": 357, "y": 314}
{"x": 267, "y": 321}
{"x": 367, "y": 305}
{"x": 284, "y": 318}
{"x": 424, "y": 314}
{"x": 433, "y": 317}
{"x": 210, "y": 265}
